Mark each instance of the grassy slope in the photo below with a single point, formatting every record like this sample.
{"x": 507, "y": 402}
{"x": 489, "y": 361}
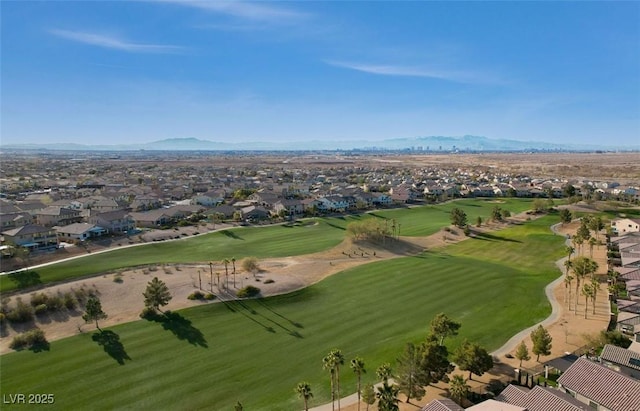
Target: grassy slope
{"x": 256, "y": 351}
{"x": 272, "y": 241}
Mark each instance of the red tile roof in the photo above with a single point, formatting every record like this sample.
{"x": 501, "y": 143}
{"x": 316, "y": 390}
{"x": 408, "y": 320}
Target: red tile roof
{"x": 602, "y": 385}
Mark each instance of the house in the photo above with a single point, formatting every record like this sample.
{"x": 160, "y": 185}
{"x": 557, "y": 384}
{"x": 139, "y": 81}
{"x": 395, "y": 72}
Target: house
{"x": 254, "y": 213}
{"x": 540, "y": 399}
{"x": 32, "y": 236}
{"x": 153, "y": 218}
{"x": 622, "y": 360}
{"x": 626, "y": 225}
{"x": 226, "y": 210}
{"x": 600, "y": 387}
{"x": 289, "y": 207}
{"x": 117, "y": 222}
{"x": 443, "y": 404}
{"x": 209, "y": 199}
{"x": 51, "y": 216}
{"x": 13, "y": 220}
{"x": 79, "y": 232}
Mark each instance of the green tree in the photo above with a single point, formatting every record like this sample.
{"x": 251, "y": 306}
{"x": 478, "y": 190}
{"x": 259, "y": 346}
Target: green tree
{"x": 458, "y": 389}
{"x": 565, "y": 216}
{"x": 157, "y": 294}
{"x": 442, "y": 327}
{"x": 567, "y": 284}
{"x": 238, "y": 406}
{"x": 541, "y": 342}
{"x": 569, "y": 250}
{"x": 596, "y": 225}
{"x": 357, "y": 366}
{"x": 303, "y": 389}
{"x": 479, "y": 221}
{"x": 583, "y": 231}
{"x": 93, "y": 311}
{"x": 410, "y": 375}
{"x": 592, "y": 242}
{"x": 539, "y": 206}
{"x": 496, "y": 214}
{"x": 458, "y": 217}
{"x": 384, "y": 372}
{"x": 388, "y": 397}
{"x": 226, "y": 263}
{"x": 473, "y": 358}
{"x": 569, "y": 190}
{"x": 435, "y": 360}
{"x": 368, "y": 395}
{"x": 522, "y": 353}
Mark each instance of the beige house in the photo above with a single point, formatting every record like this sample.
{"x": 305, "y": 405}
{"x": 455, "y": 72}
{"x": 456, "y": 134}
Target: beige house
{"x": 626, "y": 225}
{"x": 32, "y": 236}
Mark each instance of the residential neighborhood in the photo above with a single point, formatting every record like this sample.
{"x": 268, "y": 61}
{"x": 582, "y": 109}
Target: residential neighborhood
{"x": 53, "y": 199}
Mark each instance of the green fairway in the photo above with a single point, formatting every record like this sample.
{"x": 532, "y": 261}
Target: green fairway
{"x": 261, "y": 242}
{"x": 210, "y": 357}
{"x": 269, "y": 241}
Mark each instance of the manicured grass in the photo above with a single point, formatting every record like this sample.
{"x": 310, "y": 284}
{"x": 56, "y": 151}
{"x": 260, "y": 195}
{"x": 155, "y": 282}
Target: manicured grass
{"x": 271, "y": 241}
{"x": 256, "y": 351}
{"x": 261, "y": 242}
{"x": 426, "y": 220}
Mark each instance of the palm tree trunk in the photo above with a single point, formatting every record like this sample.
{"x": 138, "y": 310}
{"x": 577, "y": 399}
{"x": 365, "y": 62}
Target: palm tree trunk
{"x": 359, "y": 391}
{"x": 338, "y": 385}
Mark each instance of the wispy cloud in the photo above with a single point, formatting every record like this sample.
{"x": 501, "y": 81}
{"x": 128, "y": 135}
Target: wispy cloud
{"x": 112, "y": 42}
{"x": 259, "y": 12}
{"x": 467, "y": 77}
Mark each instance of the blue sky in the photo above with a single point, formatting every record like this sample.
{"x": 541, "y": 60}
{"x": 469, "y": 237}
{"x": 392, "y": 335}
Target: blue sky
{"x": 131, "y": 72}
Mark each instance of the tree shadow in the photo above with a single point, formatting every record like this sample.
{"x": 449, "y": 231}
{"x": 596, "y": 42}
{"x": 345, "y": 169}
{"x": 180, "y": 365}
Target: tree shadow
{"x": 232, "y": 234}
{"x": 110, "y": 342}
{"x": 26, "y": 278}
{"x": 491, "y": 237}
{"x": 39, "y": 347}
{"x": 263, "y": 303}
{"x": 181, "y": 327}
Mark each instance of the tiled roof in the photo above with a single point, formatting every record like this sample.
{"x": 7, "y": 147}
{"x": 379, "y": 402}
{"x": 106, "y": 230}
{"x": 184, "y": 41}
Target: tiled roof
{"x": 602, "y": 385}
{"x": 444, "y": 404}
{"x": 493, "y": 405}
{"x": 622, "y": 356}
{"x": 513, "y": 394}
{"x": 540, "y": 399}
{"x": 27, "y": 230}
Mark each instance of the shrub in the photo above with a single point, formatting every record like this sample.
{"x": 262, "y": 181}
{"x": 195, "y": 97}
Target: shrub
{"x": 70, "y": 301}
{"x": 209, "y": 297}
{"x": 39, "y": 299}
{"x": 196, "y": 295}
{"x": 56, "y": 302}
{"x": 3, "y": 319}
{"x": 248, "y": 291}
{"x": 118, "y": 278}
{"x": 269, "y": 281}
{"x": 22, "y": 313}
{"x": 40, "y": 309}
{"x": 250, "y": 264}
{"x": 80, "y": 295}
{"x": 29, "y": 339}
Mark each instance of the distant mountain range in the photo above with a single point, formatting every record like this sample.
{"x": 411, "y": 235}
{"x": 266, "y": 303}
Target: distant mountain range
{"x": 423, "y": 144}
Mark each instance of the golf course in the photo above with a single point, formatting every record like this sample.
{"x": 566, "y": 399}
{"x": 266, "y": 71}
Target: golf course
{"x": 256, "y": 351}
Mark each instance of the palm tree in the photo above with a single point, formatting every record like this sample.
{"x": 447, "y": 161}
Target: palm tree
{"x": 582, "y": 267}
{"x": 595, "y": 286}
{"x": 328, "y": 363}
{"x": 357, "y": 365}
{"x": 570, "y": 250}
{"x": 458, "y": 388}
{"x": 226, "y": 271}
{"x": 592, "y": 243}
{"x": 588, "y": 292}
{"x": 304, "y": 391}
{"x": 233, "y": 261}
{"x": 384, "y": 372}
{"x": 567, "y": 286}
{"x": 387, "y": 397}
{"x": 338, "y": 359}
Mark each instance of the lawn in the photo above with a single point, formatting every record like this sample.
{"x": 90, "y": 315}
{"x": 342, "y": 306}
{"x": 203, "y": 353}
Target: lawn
{"x": 209, "y": 357}
{"x": 270, "y": 241}
{"x": 261, "y": 242}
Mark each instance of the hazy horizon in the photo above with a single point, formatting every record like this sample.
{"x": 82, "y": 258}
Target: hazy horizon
{"x": 136, "y": 72}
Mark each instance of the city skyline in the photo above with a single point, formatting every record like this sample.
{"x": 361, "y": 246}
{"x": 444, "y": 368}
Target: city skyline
{"x": 137, "y": 72}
